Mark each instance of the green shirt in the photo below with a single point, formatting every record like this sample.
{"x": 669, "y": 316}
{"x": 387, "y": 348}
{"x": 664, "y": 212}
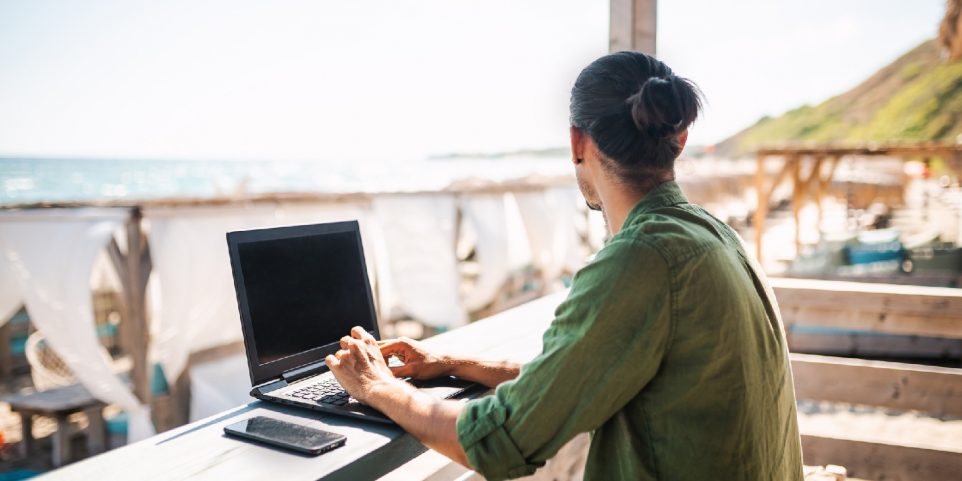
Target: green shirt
{"x": 669, "y": 348}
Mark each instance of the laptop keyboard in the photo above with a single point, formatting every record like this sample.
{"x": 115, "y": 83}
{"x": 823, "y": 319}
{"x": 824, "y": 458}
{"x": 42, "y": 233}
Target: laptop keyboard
{"x": 326, "y": 391}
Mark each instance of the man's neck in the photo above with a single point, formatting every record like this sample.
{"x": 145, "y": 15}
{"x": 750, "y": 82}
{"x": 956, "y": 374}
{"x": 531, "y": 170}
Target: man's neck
{"x": 617, "y": 202}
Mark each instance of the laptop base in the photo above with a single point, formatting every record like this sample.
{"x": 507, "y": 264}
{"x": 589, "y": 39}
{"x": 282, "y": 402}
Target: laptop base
{"x": 446, "y": 387}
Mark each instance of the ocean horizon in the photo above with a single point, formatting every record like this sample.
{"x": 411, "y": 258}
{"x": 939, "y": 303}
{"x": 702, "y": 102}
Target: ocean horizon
{"x": 26, "y": 180}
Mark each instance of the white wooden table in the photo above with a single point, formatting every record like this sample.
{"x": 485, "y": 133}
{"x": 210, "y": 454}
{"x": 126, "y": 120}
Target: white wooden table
{"x": 201, "y": 451}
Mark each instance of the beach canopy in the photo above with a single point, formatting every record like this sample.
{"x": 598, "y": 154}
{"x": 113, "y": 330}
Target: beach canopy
{"x": 48, "y": 256}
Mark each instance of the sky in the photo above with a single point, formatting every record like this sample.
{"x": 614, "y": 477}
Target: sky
{"x": 379, "y": 79}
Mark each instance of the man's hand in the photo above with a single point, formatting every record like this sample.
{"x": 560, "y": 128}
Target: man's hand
{"x": 359, "y": 365}
{"x": 419, "y": 362}
{"x": 360, "y": 368}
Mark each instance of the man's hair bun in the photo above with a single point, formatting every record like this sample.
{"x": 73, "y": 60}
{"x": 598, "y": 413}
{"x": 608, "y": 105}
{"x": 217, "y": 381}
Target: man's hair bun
{"x": 664, "y": 106}
{"x": 634, "y": 107}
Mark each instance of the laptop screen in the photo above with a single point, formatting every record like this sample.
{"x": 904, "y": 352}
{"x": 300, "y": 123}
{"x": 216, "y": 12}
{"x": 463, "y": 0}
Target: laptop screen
{"x": 304, "y": 292}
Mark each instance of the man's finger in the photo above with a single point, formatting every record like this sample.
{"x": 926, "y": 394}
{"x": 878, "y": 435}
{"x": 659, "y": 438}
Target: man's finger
{"x": 357, "y": 350}
{"x": 332, "y": 362}
{"x": 393, "y": 347}
{"x": 344, "y": 341}
{"x": 402, "y": 371}
{"x": 358, "y": 332}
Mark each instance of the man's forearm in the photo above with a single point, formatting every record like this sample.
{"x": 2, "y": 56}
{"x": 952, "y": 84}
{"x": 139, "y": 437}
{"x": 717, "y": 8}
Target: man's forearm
{"x": 432, "y": 421}
{"x": 489, "y": 373}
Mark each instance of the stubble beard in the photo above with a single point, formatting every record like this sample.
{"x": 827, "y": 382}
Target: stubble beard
{"x": 589, "y": 194}
{"x": 591, "y": 199}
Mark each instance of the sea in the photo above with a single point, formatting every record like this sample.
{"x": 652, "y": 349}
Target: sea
{"x": 32, "y": 180}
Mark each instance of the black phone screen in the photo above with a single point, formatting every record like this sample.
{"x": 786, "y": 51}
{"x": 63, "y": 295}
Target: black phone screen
{"x": 285, "y": 434}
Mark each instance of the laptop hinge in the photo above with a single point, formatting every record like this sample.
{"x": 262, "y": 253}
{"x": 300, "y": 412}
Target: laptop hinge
{"x": 303, "y": 371}
{"x": 264, "y": 388}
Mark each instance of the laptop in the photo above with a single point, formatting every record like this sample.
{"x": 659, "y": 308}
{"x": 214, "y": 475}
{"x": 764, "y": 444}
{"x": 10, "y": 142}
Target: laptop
{"x": 299, "y": 290}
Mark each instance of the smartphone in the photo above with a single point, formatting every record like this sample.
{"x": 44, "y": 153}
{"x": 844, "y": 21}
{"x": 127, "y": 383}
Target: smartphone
{"x": 286, "y": 435}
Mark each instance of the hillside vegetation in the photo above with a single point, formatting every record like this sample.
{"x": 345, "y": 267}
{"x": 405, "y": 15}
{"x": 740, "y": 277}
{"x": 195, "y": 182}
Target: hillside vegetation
{"x": 916, "y": 97}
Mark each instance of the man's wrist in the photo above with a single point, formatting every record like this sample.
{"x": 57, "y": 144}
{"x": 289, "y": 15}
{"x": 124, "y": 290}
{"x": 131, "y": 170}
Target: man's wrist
{"x": 453, "y": 366}
{"x": 387, "y": 390}
{"x": 448, "y": 365}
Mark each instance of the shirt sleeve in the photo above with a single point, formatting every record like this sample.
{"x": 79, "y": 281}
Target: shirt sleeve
{"x": 604, "y": 345}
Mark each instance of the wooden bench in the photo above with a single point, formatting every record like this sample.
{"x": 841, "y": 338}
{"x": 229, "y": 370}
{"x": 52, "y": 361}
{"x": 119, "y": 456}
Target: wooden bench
{"x": 59, "y": 404}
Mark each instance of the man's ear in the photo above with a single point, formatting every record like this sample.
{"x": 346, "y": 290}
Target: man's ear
{"x": 577, "y": 144}
{"x": 683, "y": 139}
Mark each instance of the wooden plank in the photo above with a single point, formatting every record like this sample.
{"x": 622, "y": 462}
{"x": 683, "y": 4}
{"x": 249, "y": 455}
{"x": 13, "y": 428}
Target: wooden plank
{"x": 876, "y": 460}
{"x": 914, "y": 310}
{"x": 871, "y": 345}
{"x": 633, "y": 26}
{"x": 61, "y": 400}
{"x": 908, "y": 149}
{"x": 934, "y": 390}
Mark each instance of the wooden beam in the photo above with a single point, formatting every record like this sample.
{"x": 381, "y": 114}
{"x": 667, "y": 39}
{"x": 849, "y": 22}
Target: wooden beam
{"x": 761, "y": 207}
{"x": 798, "y": 196}
{"x": 870, "y": 345}
{"x": 135, "y": 334}
{"x": 878, "y": 460}
{"x": 936, "y": 391}
{"x": 821, "y": 182}
{"x": 900, "y": 149}
{"x": 633, "y": 26}
{"x": 895, "y": 309}
{"x": 764, "y": 192}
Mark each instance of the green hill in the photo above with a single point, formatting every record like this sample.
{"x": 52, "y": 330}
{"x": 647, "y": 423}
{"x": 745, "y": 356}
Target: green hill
{"x": 916, "y": 97}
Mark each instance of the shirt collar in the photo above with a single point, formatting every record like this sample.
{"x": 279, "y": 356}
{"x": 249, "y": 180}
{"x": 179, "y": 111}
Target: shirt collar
{"x": 663, "y": 195}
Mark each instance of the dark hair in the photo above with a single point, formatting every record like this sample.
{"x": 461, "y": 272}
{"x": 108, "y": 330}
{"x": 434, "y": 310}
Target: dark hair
{"x": 634, "y": 107}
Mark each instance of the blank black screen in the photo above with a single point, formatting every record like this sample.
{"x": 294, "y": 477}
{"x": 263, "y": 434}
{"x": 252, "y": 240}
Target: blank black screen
{"x": 304, "y": 292}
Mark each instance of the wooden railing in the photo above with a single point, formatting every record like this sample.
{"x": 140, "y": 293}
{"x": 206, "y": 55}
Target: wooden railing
{"x": 200, "y": 450}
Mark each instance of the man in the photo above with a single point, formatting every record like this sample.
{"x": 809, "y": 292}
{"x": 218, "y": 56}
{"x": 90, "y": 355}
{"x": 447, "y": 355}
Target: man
{"x": 669, "y": 347}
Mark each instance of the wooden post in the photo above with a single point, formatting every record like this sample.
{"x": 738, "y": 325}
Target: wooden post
{"x": 133, "y": 270}
{"x": 633, "y": 25}
{"x": 823, "y": 182}
{"x": 819, "y": 193}
{"x": 26, "y": 434}
{"x": 6, "y": 357}
{"x": 761, "y": 210}
{"x": 797, "y": 198}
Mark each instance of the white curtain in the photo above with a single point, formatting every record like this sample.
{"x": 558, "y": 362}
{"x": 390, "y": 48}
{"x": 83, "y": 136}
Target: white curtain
{"x": 10, "y": 297}
{"x": 501, "y": 244}
{"x": 51, "y": 254}
{"x": 218, "y": 385}
{"x": 417, "y": 235}
{"x": 550, "y": 220}
{"x": 194, "y": 301}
